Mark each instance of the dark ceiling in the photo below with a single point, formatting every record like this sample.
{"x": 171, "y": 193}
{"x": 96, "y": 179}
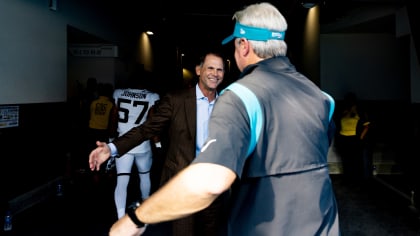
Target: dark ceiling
{"x": 191, "y": 15}
{"x": 192, "y": 25}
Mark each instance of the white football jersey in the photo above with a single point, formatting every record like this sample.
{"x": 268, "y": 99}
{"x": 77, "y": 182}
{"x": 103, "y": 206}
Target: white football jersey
{"x": 133, "y": 106}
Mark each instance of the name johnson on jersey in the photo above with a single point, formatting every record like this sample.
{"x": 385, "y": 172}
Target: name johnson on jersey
{"x": 133, "y": 95}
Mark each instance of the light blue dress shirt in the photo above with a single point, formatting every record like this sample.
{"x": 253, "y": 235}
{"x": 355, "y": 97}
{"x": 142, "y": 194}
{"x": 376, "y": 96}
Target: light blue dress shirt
{"x": 204, "y": 108}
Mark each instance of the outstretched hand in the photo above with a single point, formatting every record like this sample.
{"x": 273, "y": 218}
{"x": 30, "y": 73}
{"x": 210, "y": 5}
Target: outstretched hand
{"x": 99, "y": 155}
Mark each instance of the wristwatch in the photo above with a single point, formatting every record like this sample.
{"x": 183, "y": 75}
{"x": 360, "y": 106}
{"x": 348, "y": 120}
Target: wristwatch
{"x": 131, "y": 212}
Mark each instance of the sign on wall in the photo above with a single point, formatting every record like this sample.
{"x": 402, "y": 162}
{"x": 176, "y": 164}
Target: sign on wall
{"x": 9, "y": 116}
{"x": 93, "y": 50}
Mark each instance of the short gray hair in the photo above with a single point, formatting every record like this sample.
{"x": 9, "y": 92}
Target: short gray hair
{"x": 264, "y": 15}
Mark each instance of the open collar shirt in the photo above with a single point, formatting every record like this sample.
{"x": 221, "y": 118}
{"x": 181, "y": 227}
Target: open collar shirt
{"x": 204, "y": 108}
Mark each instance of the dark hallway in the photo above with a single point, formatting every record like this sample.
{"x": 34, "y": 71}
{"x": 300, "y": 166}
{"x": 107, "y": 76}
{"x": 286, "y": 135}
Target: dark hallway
{"x": 87, "y": 208}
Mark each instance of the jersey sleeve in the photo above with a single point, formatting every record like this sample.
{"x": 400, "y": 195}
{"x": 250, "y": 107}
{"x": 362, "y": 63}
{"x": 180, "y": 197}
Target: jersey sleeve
{"x": 153, "y": 98}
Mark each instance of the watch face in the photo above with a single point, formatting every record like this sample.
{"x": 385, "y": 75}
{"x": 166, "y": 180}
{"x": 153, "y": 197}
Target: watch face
{"x": 134, "y": 205}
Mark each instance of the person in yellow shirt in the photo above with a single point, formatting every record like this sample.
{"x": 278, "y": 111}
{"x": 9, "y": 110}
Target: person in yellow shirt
{"x": 353, "y": 128}
{"x": 100, "y": 113}
{"x": 102, "y": 124}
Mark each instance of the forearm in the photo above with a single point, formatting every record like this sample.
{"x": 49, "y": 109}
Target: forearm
{"x": 364, "y": 132}
{"x": 129, "y": 140}
{"x": 192, "y": 190}
{"x": 175, "y": 200}
{"x": 137, "y": 135}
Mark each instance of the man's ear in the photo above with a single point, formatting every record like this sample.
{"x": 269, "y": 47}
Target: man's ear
{"x": 198, "y": 70}
{"x": 243, "y": 46}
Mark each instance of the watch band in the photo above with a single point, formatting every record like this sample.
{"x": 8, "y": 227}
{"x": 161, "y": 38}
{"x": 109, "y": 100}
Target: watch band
{"x": 131, "y": 212}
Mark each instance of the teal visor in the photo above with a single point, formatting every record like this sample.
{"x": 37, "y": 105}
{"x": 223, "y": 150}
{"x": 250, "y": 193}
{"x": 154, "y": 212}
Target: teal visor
{"x": 254, "y": 33}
